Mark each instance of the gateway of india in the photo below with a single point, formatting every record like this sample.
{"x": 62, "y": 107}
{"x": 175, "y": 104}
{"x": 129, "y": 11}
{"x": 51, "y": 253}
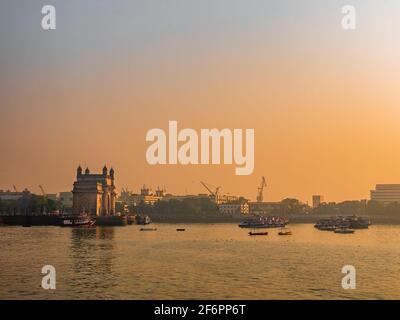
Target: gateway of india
{"x": 94, "y": 194}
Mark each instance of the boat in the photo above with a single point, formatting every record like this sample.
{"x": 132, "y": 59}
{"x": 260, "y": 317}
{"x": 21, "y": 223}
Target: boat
{"x": 344, "y": 230}
{"x": 148, "y": 229}
{"x": 350, "y": 222}
{"x": 91, "y": 224}
{"x": 264, "y": 222}
{"x": 180, "y": 229}
{"x": 130, "y": 219}
{"x": 258, "y": 233}
{"x": 143, "y": 220}
{"x": 284, "y": 232}
{"x": 359, "y": 222}
{"x": 76, "y": 220}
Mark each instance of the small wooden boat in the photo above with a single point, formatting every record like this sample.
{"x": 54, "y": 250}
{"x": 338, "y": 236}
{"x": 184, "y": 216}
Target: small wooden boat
{"x": 285, "y": 232}
{"x": 180, "y": 229}
{"x": 148, "y": 229}
{"x": 258, "y": 233}
{"x": 344, "y": 230}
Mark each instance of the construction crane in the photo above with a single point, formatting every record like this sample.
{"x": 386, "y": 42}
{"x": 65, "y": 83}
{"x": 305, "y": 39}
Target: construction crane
{"x": 15, "y": 188}
{"x": 214, "y": 193}
{"x": 43, "y": 192}
{"x": 260, "y": 197}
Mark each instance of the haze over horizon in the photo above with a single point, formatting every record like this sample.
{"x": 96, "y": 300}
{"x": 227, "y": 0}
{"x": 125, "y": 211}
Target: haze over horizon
{"x": 324, "y": 102}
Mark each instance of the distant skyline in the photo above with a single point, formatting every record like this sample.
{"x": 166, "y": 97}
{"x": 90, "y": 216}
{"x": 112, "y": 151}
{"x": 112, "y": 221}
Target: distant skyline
{"x": 324, "y": 102}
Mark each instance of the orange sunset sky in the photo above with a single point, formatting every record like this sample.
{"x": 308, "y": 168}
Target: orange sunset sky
{"x": 324, "y": 102}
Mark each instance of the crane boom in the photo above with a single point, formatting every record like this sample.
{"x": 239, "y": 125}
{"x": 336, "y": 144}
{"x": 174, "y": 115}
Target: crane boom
{"x": 43, "y": 192}
{"x": 214, "y": 194}
{"x": 208, "y": 189}
{"x": 260, "y": 196}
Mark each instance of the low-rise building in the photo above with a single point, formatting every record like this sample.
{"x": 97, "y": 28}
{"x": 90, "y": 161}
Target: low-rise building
{"x": 13, "y": 195}
{"x": 263, "y": 208}
{"x": 234, "y": 209}
{"x": 66, "y": 199}
{"x": 145, "y": 196}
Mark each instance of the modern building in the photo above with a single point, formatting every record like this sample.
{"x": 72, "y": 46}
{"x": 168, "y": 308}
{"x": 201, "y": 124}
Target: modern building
{"x": 317, "y": 200}
{"x": 386, "y": 193}
{"x": 94, "y": 194}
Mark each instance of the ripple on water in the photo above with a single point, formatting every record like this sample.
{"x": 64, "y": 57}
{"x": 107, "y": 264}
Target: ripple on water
{"x": 218, "y": 261}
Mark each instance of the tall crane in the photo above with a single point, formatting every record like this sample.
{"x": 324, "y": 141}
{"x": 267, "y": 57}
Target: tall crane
{"x": 260, "y": 197}
{"x": 215, "y": 193}
{"x": 43, "y": 192}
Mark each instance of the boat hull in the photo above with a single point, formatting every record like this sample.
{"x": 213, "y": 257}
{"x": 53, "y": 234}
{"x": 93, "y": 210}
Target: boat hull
{"x": 258, "y": 233}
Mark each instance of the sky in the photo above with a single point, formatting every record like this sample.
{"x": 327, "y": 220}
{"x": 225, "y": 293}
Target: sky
{"x": 324, "y": 102}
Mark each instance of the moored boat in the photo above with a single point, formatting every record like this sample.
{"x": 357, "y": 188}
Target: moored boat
{"x": 350, "y": 222}
{"x": 148, "y": 229}
{"x": 258, "y": 233}
{"x": 76, "y": 220}
{"x": 143, "y": 220}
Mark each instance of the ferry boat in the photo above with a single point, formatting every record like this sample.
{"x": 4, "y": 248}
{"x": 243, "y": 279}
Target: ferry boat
{"x": 350, "y": 222}
{"x": 264, "y": 222}
{"x": 76, "y": 221}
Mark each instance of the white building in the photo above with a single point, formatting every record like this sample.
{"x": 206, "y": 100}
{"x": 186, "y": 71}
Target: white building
{"x": 145, "y": 196}
{"x": 386, "y": 193}
{"x": 234, "y": 208}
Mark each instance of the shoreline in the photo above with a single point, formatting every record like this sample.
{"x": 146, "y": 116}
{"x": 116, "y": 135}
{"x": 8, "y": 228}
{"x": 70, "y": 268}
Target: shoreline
{"x": 293, "y": 219}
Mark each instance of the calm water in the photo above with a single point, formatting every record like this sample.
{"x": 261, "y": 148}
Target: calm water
{"x": 207, "y": 261}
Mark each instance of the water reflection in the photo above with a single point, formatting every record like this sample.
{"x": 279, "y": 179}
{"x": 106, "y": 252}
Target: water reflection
{"x": 92, "y": 252}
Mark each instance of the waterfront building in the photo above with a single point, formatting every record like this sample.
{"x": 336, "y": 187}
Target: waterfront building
{"x": 94, "y": 194}
{"x": 263, "y": 208}
{"x": 234, "y": 209}
{"x": 52, "y": 196}
{"x": 66, "y": 199}
{"x": 317, "y": 200}
{"x": 386, "y": 193}
{"x": 224, "y": 198}
{"x": 186, "y": 196}
{"x": 13, "y": 195}
{"x": 145, "y": 196}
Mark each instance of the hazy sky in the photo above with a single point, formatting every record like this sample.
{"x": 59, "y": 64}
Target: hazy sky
{"x": 324, "y": 102}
